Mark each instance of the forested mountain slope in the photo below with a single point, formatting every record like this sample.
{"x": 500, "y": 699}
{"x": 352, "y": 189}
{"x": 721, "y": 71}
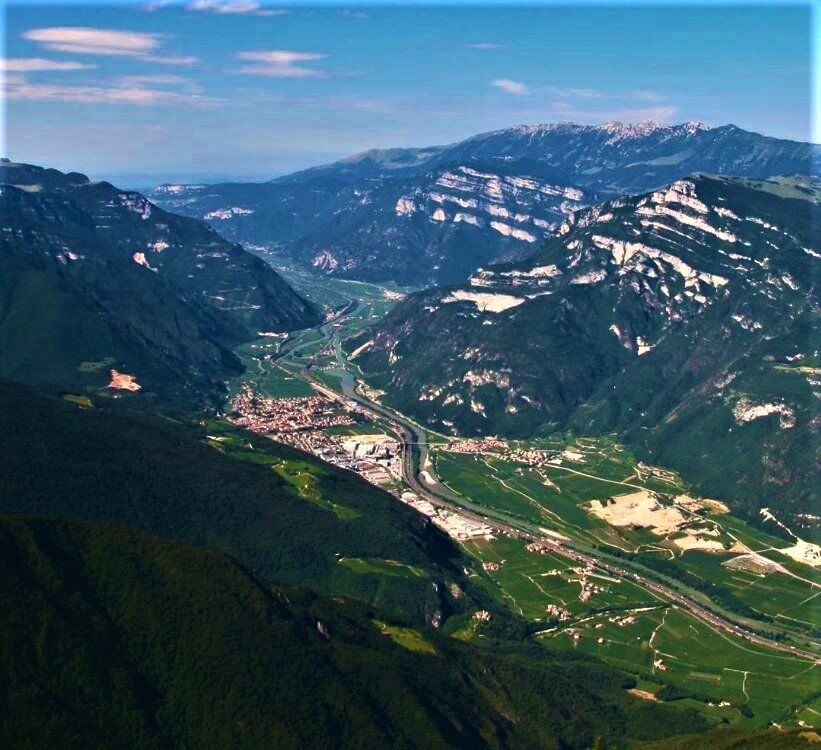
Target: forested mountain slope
{"x": 685, "y": 319}
{"x": 116, "y": 639}
{"x": 93, "y": 278}
{"x": 289, "y": 516}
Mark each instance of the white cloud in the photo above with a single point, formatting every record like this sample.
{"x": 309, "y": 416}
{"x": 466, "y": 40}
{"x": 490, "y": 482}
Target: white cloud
{"x": 89, "y": 41}
{"x": 84, "y": 94}
{"x": 154, "y": 5}
{"x": 574, "y": 93}
{"x": 279, "y": 63}
{"x": 511, "y": 87}
{"x": 639, "y": 95}
{"x": 646, "y": 95}
{"x": 157, "y": 80}
{"x": 486, "y": 46}
{"x": 84, "y": 40}
{"x": 664, "y": 113}
{"x": 235, "y": 7}
{"x": 36, "y": 64}
{"x": 172, "y": 59}
{"x": 128, "y": 90}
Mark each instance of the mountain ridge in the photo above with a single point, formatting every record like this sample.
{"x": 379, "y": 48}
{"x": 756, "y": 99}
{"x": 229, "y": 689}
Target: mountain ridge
{"x": 95, "y": 278}
{"x": 683, "y": 306}
{"x": 427, "y": 216}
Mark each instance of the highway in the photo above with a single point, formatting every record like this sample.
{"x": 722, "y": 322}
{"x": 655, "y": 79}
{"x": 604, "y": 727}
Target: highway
{"x": 440, "y": 496}
{"x": 566, "y": 549}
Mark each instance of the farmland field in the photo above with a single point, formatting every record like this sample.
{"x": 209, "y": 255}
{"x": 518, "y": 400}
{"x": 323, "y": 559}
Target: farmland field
{"x": 636, "y": 630}
{"x": 382, "y": 567}
{"x": 558, "y": 498}
{"x": 619, "y": 620}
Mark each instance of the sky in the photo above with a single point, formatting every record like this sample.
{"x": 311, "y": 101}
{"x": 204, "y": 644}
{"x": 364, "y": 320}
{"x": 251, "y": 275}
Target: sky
{"x": 234, "y": 89}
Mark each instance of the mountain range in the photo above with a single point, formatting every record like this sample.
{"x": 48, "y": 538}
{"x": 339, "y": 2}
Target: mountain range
{"x": 175, "y": 582}
{"x": 433, "y": 215}
{"x": 685, "y": 319}
{"x": 94, "y": 279}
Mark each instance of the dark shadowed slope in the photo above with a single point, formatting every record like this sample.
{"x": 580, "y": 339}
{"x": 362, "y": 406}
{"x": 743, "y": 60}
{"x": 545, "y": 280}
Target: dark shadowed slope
{"x": 116, "y": 639}
{"x": 94, "y": 278}
{"x": 289, "y": 516}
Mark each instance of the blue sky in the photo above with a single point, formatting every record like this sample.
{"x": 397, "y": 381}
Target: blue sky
{"x": 213, "y": 89}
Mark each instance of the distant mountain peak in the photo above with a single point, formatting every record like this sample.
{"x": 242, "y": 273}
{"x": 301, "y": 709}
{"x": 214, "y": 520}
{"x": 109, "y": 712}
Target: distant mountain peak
{"x": 435, "y": 214}
{"x": 33, "y": 177}
{"x": 614, "y": 127}
{"x": 544, "y": 127}
{"x": 639, "y": 129}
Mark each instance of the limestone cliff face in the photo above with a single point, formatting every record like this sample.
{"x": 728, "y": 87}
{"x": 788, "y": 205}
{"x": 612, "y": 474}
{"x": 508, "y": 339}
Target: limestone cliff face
{"x": 682, "y": 318}
{"x": 434, "y": 215}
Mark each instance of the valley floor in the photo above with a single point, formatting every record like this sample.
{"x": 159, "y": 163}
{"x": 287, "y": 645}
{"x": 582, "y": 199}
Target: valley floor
{"x": 601, "y": 553}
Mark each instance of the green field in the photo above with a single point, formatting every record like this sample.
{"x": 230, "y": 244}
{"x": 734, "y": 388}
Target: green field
{"x": 266, "y": 375}
{"x": 530, "y": 581}
{"x": 382, "y": 567}
{"x": 407, "y": 638}
{"x": 794, "y": 595}
{"x": 634, "y": 629}
{"x": 701, "y": 661}
{"x": 555, "y": 498}
{"x": 327, "y": 291}
{"x": 618, "y": 620}
{"x": 302, "y": 476}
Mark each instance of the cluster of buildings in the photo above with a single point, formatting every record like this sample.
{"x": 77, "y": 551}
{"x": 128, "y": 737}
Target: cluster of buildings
{"x": 538, "y": 459}
{"x": 589, "y": 587}
{"x": 560, "y": 613}
{"x": 584, "y": 576}
{"x": 284, "y": 416}
{"x": 533, "y": 457}
{"x": 477, "y": 445}
{"x": 302, "y": 422}
{"x": 378, "y": 457}
{"x": 453, "y": 524}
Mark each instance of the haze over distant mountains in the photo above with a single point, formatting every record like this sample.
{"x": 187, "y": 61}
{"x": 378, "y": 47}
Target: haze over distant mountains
{"x": 94, "y": 278}
{"x": 424, "y": 216}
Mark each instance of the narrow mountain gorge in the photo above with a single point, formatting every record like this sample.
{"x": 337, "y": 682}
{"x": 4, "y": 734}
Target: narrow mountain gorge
{"x": 434, "y": 215}
{"x": 94, "y": 279}
{"x": 672, "y": 318}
